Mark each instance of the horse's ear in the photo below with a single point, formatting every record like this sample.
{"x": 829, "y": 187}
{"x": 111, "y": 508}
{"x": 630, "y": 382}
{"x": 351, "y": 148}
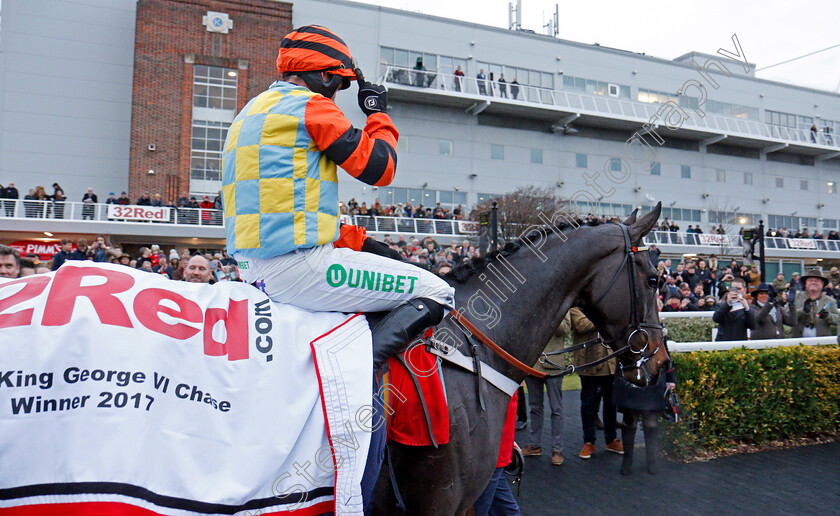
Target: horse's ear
{"x": 632, "y": 218}
{"x": 642, "y": 227}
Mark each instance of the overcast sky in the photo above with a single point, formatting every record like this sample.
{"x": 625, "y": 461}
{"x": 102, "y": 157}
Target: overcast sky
{"x": 770, "y": 31}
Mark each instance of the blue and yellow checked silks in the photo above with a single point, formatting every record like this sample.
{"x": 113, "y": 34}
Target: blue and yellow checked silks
{"x": 280, "y": 191}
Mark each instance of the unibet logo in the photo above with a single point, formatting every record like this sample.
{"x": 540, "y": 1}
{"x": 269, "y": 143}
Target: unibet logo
{"x": 338, "y": 276}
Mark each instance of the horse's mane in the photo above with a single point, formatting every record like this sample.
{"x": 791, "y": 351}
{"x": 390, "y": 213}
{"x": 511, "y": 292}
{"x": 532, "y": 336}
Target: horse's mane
{"x": 468, "y": 268}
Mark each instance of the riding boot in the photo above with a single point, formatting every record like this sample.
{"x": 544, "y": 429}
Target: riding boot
{"x": 628, "y": 439}
{"x": 401, "y": 326}
{"x": 651, "y": 429}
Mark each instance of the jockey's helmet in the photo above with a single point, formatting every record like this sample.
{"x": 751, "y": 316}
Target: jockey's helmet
{"x": 309, "y": 50}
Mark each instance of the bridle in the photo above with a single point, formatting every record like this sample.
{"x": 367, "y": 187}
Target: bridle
{"x": 637, "y": 325}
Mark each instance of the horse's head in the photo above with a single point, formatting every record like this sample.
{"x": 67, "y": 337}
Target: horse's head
{"x": 619, "y": 297}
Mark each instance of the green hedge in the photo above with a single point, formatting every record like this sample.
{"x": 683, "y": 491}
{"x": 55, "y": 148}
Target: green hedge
{"x": 754, "y": 396}
{"x": 689, "y": 329}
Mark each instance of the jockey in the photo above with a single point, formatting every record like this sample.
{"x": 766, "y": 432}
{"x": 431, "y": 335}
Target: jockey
{"x": 280, "y": 192}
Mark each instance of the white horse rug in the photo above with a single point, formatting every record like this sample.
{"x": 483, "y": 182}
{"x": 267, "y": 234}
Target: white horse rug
{"x": 122, "y": 392}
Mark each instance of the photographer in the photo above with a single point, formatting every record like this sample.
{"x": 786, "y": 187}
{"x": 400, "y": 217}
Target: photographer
{"x": 724, "y": 283}
{"x": 771, "y": 313}
{"x": 814, "y": 312}
{"x": 733, "y": 313}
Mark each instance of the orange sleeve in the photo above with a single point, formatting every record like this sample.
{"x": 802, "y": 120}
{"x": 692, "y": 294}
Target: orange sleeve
{"x": 369, "y": 155}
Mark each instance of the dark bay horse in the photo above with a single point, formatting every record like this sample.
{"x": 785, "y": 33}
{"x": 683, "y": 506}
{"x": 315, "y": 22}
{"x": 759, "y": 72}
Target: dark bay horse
{"x": 556, "y": 267}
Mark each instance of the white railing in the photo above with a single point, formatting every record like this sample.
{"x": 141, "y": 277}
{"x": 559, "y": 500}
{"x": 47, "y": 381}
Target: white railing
{"x": 685, "y": 347}
{"x": 405, "y": 225}
{"x": 80, "y": 211}
{"x": 734, "y": 242}
{"x": 698, "y": 314}
{"x": 601, "y": 105}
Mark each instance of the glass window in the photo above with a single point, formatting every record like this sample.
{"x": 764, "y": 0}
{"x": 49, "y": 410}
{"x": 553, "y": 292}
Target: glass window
{"x": 615, "y": 165}
{"x": 721, "y": 175}
{"x": 580, "y": 160}
{"x": 414, "y": 196}
{"x": 214, "y": 87}
{"x": 445, "y": 147}
{"x": 748, "y": 178}
{"x": 445, "y": 197}
{"x": 780, "y": 182}
{"x": 459, "y": 198}
{"x": 685, "y": 172}
{"x": 497, "y": 151}
{"x": 655, "y": 169}
{"x": 484, "y": 197}
{"x": 831, "y": 186}
{"x": 387, "y": 55}
{"x": 803, "y": 184}
{"x": 401, "y": 58}
{"x": 536, "y": 156}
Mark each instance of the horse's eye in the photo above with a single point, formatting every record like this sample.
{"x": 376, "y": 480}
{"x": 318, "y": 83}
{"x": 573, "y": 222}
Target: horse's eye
{"x": 653, "y": 281}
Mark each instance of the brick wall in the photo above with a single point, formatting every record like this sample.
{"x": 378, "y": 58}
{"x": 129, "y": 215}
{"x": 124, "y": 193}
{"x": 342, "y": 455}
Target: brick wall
{"x": 170, "y": 38}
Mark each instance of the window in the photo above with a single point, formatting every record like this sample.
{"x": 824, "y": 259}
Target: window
{"x": 721, "y": 175}
{"x": 484, "y": 197}
{"x": 803, "y": 184}
{"x": 592, "y": 87}
{"x": 580, "y": 160}
{"x": 655, "y": 169}
{"x": 497, "y": 151}
{"x": 685, "y": 172}
{"x": 748, "y": 178}
{"x": 208, "y": 138}
{"x": 536, "y": 156}
{"x": 445, "y": 147}
{"x": 831, "y": 186}
{"x": 829, "y": 223}
{"x": 214, "y": 87}
{"x": 780, "y": 182}
{"x": 615, "y": 165}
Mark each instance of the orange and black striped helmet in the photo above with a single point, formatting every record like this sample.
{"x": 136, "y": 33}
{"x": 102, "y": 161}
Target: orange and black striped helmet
{"x": 313, "y": 48}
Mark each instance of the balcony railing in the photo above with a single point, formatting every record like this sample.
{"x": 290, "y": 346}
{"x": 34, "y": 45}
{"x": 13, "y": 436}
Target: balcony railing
{"x": 736, "y": 242}
{"x": 597, "y": 105}
{"x": 79, "y": 211}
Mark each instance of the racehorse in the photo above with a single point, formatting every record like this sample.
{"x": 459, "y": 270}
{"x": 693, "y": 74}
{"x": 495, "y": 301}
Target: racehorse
{"x": 602, "y": 269}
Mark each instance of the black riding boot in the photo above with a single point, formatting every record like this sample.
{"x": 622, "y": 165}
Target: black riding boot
{"x": 651, "y": 428}
{"x": 628, "y": 440}
{"x": 401, "y": 326}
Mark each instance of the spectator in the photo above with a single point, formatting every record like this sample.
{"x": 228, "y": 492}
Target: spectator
{"x": 89, "y": 199}
{"x": 595, "y": 384}
{"x": 58, "y": 200}
{"x": 795, "y": 286}
{"x": 482, "y": 82}
{"x": 145, "y": 256}
{"x": 179, "y": 272}
{"x": 779, "y": 284}
{"x": 163, "y": 268}
{"x": 770, "y": 315}
{"x": 144, "y": 200}
{"x": 553, "y": 384}
{"x": 198, "y": 270}
{"x": 227, "y": 261}
{"x": 9, "y": 262}
{"x": 125, "y": 260}
{"x": 31, "y": 208}
{"x": 27, "y": 267}
{"x": 80, "y": 254}
{"x": 459, "y": 74}
{"x": 705, "y": 277}
{"x": 733, "y": 314}
{"x": 643, "y": 404}
{"x": 502, "y": 86}
{"x": 514, "y": 89}
{"x": 673, "y": 304}
{"x": 112, "y": 199}
{"x": 206, "y": 205}
{"x": 100, "y": 249}
{"x": 814, "y": 312}
{"x": 653, "y": 254}
{"x": 157, "y": 201}
{"x": 156, "y": 255}
{"x": 11, "y": 193}
{"x": 123, "y": 199}
{"x": 60, "y": 257}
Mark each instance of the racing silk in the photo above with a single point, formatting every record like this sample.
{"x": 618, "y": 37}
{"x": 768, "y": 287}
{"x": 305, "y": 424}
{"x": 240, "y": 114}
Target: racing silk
{"x": 279, "y": 182}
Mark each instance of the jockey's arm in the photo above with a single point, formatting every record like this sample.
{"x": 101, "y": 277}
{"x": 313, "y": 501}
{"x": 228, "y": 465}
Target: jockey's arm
{"x": 367, "y": 154}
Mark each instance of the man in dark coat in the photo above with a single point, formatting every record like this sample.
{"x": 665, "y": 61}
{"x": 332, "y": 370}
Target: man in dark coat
{"x": 10, "y": 192}
{"x": 770, "y": 315}
{"x": 733, "y": 314}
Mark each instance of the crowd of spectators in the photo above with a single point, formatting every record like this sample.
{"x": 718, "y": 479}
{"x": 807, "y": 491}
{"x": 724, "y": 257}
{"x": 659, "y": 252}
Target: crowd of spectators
{"x": 376, "y": 209}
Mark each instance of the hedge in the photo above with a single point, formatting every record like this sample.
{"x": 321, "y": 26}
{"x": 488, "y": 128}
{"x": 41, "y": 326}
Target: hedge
{"x": 689, "y": 329}
{"x": 754, "y": 396}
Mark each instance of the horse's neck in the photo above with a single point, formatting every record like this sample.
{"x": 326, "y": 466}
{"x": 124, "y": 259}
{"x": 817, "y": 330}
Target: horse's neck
{"x": 544, "y": 293}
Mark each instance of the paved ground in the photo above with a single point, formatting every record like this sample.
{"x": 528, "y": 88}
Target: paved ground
{"x": 803, "y": 480}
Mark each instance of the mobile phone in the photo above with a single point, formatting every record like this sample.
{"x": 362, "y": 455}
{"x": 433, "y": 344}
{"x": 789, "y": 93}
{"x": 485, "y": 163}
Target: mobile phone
{"x": 220, "y": 275}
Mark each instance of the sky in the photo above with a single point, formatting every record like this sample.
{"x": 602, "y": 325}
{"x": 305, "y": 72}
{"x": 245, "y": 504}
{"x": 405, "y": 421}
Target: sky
{"x": 770, "y": 31}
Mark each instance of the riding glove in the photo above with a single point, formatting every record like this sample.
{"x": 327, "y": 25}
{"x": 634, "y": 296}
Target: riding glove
{"x": 372, "y": 97}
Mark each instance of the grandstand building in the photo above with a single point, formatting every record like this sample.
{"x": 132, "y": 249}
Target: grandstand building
{"x": 136, "y": 95}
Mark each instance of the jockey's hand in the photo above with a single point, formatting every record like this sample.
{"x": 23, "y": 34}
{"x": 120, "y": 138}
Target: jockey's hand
{"x": 372, "y": 97}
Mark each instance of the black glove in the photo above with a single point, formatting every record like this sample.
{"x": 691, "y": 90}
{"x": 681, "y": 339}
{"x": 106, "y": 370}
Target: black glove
{"x": 806, "y": 307}
{"x": 372, "y": 97}
{"x": 823, "y": 314}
